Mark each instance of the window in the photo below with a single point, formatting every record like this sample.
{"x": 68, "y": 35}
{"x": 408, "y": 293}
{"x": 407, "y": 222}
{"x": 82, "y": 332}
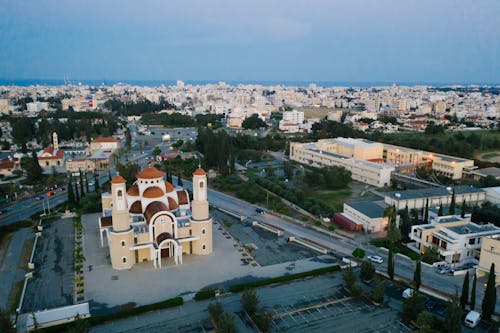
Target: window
{"x": 203, "y": 247}
{"x": 472, "y": 241}
{"x": 120, "y": 193}
{"x": 202, "y": 184}
{"x": 123, "y": 243}
{"x": 124, "y": 259}
{"x": 203, "y": 231}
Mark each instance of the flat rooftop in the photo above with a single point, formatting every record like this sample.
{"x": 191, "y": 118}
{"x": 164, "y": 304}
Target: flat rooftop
{"x": 472, "y": 228}
{"x": 356, "y": 142}
{"x": 371, "y": 208}
{"x": 432, "y": 192}
{"x": 379, "y": 166}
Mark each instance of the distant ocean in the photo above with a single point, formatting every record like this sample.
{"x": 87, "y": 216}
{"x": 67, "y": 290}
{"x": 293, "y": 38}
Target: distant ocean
{"x": 156, "y": 83}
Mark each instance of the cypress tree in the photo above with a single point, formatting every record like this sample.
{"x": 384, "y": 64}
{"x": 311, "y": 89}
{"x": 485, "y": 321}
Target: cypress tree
{"x": 77, "y": 196}
{"x": 390, "y": 265}
{"x": 490, "y": 295}
{"x": 473, "y": 293}
{"x": 465, "y": 292}
{"x": 451, "y": 210}
{"x": 71, "y": 194}
{"x": 462, "y": 213}
{"x": 417, "y": 275}
{"x": 426, "y": 211}
{"x": 405, "y": 223}
{"x": 453, "y": 317}
{"x": 96, "y": 182}
{"x": 440, "y": 210}
{"x": 87, "y": 190}
{"x": 179, "y": 178}
{"x": 82, "y": 193}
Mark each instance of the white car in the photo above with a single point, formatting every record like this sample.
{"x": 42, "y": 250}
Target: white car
{"x": 407, "y": 293}
{"x": 376, "y": 259}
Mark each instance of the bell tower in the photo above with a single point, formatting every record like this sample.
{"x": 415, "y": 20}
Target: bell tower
{"x": 121, "y": 235}
{"x": 55, "y": 141}
{"x": 200, "y": 222}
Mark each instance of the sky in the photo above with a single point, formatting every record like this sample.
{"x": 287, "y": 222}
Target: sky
{"x": 440, "y": 41}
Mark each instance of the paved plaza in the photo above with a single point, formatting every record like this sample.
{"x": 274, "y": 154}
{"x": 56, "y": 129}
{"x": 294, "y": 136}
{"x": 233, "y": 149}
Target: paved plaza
{"x": 52, "y": 283}
{"x": 106, "y": 288}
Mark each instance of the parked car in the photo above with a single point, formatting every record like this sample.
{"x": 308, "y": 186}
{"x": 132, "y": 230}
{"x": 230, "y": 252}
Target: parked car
{"x": 430, "y": 304}
{"x": 51, "y": 193}
{"x": 407, "y": 293}
{"x": 376, "y": 259}
{"x": 472, "y": 319}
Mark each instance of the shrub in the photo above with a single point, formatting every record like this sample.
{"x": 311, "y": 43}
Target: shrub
{"x": 367, "y": 270}
{"x": 215, "y": 310}
{"x": 412, "y": 306}
{"x": 425, "y": 321}
{"x": 204, "y": 294}
{"x": 356, "y": 290}
{"x": 359, "y": 253}
{"x": 378, "y": 293}
{"x": 249, "y": 301}
{"x": 263, "y": 320}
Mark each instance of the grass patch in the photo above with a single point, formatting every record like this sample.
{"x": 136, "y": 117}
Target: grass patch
{"x": 335, "y": 198}
{"x": 15, "y": 296}
{"x": 25, "y": 256}
{"x": 491, "y": 155}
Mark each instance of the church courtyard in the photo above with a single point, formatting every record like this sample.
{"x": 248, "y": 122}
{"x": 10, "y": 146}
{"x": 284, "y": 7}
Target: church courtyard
{"x": 106, "y": 288}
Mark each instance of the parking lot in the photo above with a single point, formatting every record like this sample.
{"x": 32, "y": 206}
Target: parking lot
{"x": 269, "y": 248}
{"x": 52, "y": 283}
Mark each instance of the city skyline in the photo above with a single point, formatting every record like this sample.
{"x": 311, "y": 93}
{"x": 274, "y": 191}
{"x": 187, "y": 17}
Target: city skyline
{"x": 379, "y": 42}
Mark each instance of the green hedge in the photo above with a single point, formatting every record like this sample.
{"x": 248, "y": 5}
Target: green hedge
{"x": 93, "y": 321}
{"x": 204, "y": 294}
{"x": 284, "y": 278}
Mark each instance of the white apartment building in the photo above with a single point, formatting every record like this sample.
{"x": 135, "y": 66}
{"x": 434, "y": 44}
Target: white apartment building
{"x": 37, "y": 106}
{"x": 293, "y": 116}
{"x": 456, "y": 239}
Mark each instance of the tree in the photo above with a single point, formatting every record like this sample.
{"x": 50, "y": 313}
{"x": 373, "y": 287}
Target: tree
{"x": 426, "y": 211}
{"x": 253, "y": 122}
{"x": 393, "y": 232}
{"x": 179, "y": 178}
{"x": 378, "y": 292}
{"x": 128, "y": 171}
{"x": 156, "y": 151}
{"x": 473, "y": 293}
{"x": 263, "y": 320}
{"x": 34, "y": 172}
{"x": 215, "y": 310}
{"x": 358, "y": 253}
{"x": 226, "y": 323}
{"x": 367, "y": 270}
{"x": 453, "y": 317}
{"x": 349, "y": 277}
{"x": 490, "y": 295}
{"x": 440, "y": 210}
{"x": 6, "y": 324}
{"x": 71, "y": 194}
{"x": 412, "y": 306}
{"x": 288, "y": 170}
{"x": 462, "y": 209}
{"x": 425, "y": 321}
{"x": 80, "y": 325}
{"x": 405, "y": 223}
{"x": 77, "y": 196}
{"x": 128, "y": 139}
{"x": 451, "y": 210}
{"x": 390, "y": 265}
{"x": 82, "y": 193}
{"x": 465, "y": 292}
{"x": 417, "y": 275}
{"x": 96, "y": 182}
{"x": 87, "y": 189}
{"x": 249, "y": 301}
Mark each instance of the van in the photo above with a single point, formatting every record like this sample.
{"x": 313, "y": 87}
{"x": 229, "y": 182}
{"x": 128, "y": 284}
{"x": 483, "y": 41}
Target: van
{"x": 472, "y": 319}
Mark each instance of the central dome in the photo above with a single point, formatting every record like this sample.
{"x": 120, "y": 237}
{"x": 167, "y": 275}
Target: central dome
{"x": 150, "y": 173}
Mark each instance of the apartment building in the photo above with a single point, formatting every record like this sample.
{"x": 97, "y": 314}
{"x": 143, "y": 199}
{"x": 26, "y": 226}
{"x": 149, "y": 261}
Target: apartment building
{"x": 456, "y": 239}
{"x": 490, "y": 253}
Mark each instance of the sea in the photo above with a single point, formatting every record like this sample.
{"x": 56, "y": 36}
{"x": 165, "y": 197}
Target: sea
{"x": 156, "y": 83}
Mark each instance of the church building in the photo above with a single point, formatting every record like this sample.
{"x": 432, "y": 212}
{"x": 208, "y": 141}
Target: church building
{"x": 154, "y": 220}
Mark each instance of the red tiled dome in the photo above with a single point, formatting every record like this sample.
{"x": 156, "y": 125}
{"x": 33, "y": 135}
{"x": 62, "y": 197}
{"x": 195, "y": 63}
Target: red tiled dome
{"x": 199, "y": 172}
{"x": 133, "y": 191}
{"x": 150, "y": 173}
{"x": 153, "y": 192}
{"x": 172, "y": 204}
{"x": 169, "y": 187}
{"x": 118, "y": 180}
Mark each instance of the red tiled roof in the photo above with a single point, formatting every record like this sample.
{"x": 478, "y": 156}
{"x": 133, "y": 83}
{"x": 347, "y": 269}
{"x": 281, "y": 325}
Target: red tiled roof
{"x": 153, "y": 192}
{"x": 136, "y": 208}
{"x": 199, "y": 172}
{"x": 169, "y": 187}
{"x": 172, "y": 204}
{"x": 149, "y": 173}
{"x": 153, "y": 208}
{"x": 183, "y": 197}
{"x": 106, "y": 139}
{"x": 118, "y": 180}
{"x": 106, "y": 221}
{"x": 133, "y": 191}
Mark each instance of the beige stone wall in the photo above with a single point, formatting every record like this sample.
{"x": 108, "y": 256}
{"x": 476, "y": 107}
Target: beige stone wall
{"x": 106, "y": 202}
{"x": 200, "y": 210}
{"x": 205, "y": 237}
{"x": 143, "y": 238}
{"x": 121, "y": 255}
{"x": 490, "y": 252}
{"x": 183, "y": 232}
{"x": 144, "y": 254}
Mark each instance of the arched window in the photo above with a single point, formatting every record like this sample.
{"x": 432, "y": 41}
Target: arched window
{"x": 202, "y": 184}
{"x": 120, "y": 193}
{"x": 124, "y": 259}
{"x": 203, "y": 247}
{"x": 123, "y": 243}
{"x": 203, "y": 231}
